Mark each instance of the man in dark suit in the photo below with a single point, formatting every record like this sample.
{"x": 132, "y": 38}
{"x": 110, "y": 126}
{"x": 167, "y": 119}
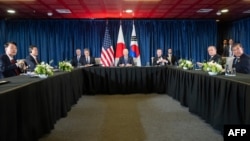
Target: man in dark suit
{"x": 125, "y": 60}
{"x": 212, "y": 52}
{"x": 159, "y": 60}
{"x": 223, "y": 47}
{"x": 228, "y": 49}
{"x": 214, "y": 57}
{"x": 32, "y": 59}
{"x": 8, "y": 65}
{"x": 170, "y": 57}
{"x": 241, "y": 61}
{"x": 88, "y": 60}
{"x": 77, "y": 60}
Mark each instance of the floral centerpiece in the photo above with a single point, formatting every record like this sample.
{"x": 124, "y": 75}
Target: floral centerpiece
{"x": 185, "y": 64}
{"x": 65, "y": 66}
{"x": 212, "y": 68}
{"x": 44, "y": 69}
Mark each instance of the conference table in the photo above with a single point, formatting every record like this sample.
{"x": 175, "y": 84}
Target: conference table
{"x": 30, "y": 107}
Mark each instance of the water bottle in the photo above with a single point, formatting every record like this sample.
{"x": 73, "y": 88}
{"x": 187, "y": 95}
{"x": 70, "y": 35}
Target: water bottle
{"x": 227, "y": 71}
{"x": 233, "y": 71}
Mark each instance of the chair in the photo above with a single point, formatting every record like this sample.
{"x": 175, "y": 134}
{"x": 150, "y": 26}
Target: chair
{"x": 97, "y": 61}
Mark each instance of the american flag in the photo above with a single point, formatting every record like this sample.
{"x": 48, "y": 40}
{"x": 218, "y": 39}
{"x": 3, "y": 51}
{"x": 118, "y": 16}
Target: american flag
{"x": 107, "y": 54}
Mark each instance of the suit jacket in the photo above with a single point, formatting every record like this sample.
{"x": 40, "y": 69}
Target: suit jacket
{"x": 226, "y": 51}
{"x": 243, "y": 64}
{"x": 173, "y": 60}
{"x": 75, "y": 62}
{"x": 216, "y": 58}
{"x": 30, "y": 61}
{"x": 7, "y": 68}
{"x": 91, "y": 61}
{"x": 156, "y": 59}
{"x": 1, "y": 75}
{"x": 129, "y": 61}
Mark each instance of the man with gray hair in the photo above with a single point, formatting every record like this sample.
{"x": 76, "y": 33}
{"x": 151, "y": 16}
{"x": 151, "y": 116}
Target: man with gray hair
{"x": 212, "y": 52}
{"x": 214, "y": 57}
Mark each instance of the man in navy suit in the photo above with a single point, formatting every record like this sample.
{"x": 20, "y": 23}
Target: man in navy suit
{"x": 8, "y": 65}
{"x": 241, "y": 61}
{"x": 214, "y": 57}
{"x": 125, "y": 60}
{"x": 78, "y": 60}
{"x": 88, "y": 60}
{"x": 159, "y": 60}
{"x": 171, "y": 59}
{"x": 32, "y": 59}
{"x": 228, "y": 49}
{"x": 212, "y": 52}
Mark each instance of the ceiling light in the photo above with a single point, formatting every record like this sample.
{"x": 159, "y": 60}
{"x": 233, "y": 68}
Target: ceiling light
{"x": 129, "y": 11}
{"x": 205, "y": 10}
{"x": 224, "y": 10}
{"x": 11, "y": 11}
{"x": 49, "y": 13}
{"x": 63, "y": 11}
{"x": 218, "y": 13}
{"x": 247, "y": 11}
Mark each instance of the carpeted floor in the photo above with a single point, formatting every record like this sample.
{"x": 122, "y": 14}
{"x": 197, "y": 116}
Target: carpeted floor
{"x": 136, "y": 117}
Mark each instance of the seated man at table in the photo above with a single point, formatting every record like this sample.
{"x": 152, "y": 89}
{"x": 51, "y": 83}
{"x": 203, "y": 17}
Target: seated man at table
{"x": 125, "y": 60}
{"x": 32, "y": 59}
{"x": 8, "y": 65}
{"x": 170, "y": 57}
{"x": 214, "y": 57}
{"x": 159, "y": 60}
{"x": 241, "y": 61}
{"x": 77, "y": 60}
{"x": 88, "y": 60}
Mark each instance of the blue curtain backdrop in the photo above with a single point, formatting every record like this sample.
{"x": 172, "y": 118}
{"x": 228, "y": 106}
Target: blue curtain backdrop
{"x": 239, "y": 31}
{"x": 58, "y": 39}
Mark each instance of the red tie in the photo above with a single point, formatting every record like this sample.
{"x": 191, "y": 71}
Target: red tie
{"x": 16, "y": 70}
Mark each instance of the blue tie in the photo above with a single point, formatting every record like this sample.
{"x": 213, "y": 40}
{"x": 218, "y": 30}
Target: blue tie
{"x": 236, "y": 60}
{"x": 125, "y": 60}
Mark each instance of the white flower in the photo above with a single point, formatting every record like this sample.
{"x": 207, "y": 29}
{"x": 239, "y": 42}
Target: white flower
{"x": 188, "y": 62}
